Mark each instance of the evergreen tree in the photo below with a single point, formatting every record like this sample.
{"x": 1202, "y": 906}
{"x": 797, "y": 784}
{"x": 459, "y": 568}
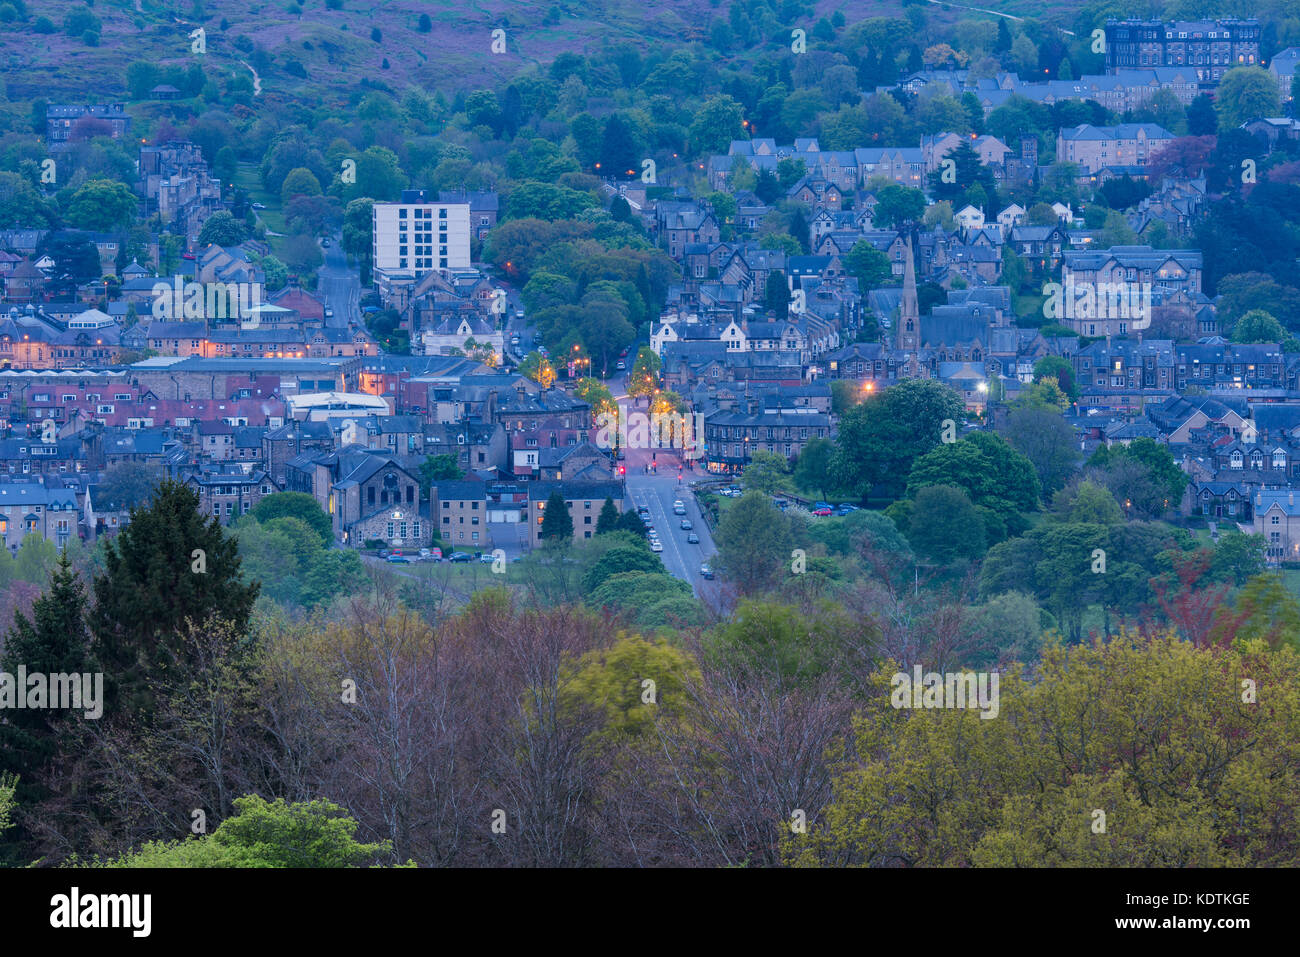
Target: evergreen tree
{"x": 168, "y": 565}
{"x": 607, "y": 521}
{"x": 777, "y": 294}
{"x": 557, "y": 523}
{"x": 53, "y": 640}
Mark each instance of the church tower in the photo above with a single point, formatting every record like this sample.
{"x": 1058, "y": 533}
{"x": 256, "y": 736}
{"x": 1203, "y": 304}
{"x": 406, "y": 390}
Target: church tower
{"x": 909, "y": 318}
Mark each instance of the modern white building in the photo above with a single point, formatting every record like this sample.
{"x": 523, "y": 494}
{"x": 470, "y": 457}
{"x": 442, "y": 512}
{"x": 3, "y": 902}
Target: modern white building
{"x": 415, "y": 236}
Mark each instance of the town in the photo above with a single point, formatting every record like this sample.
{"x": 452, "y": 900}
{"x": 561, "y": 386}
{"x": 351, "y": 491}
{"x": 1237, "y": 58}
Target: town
{"x": 544, "y": 453}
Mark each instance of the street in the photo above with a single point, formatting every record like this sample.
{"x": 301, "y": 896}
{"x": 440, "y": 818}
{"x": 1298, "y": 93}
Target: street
{"x": 339, "y": 287}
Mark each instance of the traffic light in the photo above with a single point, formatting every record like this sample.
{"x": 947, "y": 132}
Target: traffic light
{"x": 622, "y": 470}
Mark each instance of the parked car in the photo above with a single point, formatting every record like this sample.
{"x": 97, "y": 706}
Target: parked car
{"x": 679, "y": 507}
{"x": 822, "y": 512}
{"x": 461, "y": 557}
{"x": 396, "y": 559}
{"x": 486, "y": 558}
{"x": 621, "y": 366}
{"x": 818, "y": 505}
{"x": 259, "y": 205}
{"x": 706, "y": 571}
{"x": 686, "y": 525}
{"x": 329, "y": 312}
{"x": 325, "y": 242}
{"x": 692, "y": 539}
{"x": 656, "y": 546}
{"x": 384, "y": 553}
{"x": 846, "y": 509}
{"x": 643, "y": 509}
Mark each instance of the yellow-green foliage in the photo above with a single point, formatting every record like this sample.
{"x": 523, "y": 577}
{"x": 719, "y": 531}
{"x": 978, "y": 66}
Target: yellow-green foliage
{"x": 612, "y": 680}
{"x": 1155, "y": 735}
{"x": 267, "y": 834}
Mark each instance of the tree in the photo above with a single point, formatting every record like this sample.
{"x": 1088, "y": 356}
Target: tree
{"x": 868, "y": 265}
{"x": 263, "y": 833}
{"x": 297, "y": 505}
{"x": 167, "y": 565}
{"x": 1264, "y": 611}
{"x": 880, "y": 439}
{"x": 126, "y": 485}
{"x": 222, "y": 229}
{"x": 766, "y": 472}
{"x": 1060, "y": 369}
{"x": 20, "y": 203}
{"x": 942, "y": 787}
{"x": 969, "y": 172}
{"x": 1258, "y": 326}
{"x": 1154, "y": 486}
{"x": 608, "y": 520}
{"x": 986, "y": 468}
{"x": 717, "y": 122}
{"x": 777, "y": 294}
{"x": 101, "y": 205}
{"x": 438, "y": 468}
{"x": 812, "y": 470}
{"x": 537, "y": 367}
{"x": 299, "y": 182}
{"x": 1238, "y": 557}
{"x": 945, "y": 526}
{"x": 557, "y": 523}
{"x": 896, "y": 205}
{"x": 1245, "y": 93}
{"x": 754, "y": 541}
{"x": 1201, "y": 117}
{"x": 644, "y": 377}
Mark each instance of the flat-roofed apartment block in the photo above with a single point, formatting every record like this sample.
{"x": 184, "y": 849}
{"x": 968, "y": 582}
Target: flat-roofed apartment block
{"x": 415, "y": 236}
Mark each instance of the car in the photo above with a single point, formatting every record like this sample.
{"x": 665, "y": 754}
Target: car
{"x": 384, "y": 553}
{"x": 846, "y": 509}
{"x": 692, "y": 539}
{"x": 623, "y": 354}
{"x": 259, "y": 205}
{"x": 514, "y": 340}
{"x": 643, "y": 510}
{"x": 679, "y": 507}
{"x": 821, "y": 505}
{"x": 686, "y": 525}
{"x": 396, "y": 559}
{"x": 656, "y": 546}
{"x": 329, "y": 312}
{"x": 461, "y": 557}
{"x": 486, "y": 558}
{"x": 187, "y": 256}
{"x": 621, "y": 366}
{"x": 706, "y": 571}
{"x": 821, "y": 512}
{"x": 325, "y": 242}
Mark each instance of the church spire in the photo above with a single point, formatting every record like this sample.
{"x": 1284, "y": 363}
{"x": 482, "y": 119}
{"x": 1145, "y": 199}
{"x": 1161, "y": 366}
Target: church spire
{"x": 909, "y": 318}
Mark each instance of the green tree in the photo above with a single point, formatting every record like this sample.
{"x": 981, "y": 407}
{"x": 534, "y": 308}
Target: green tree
{"x": 101, "y": 205}
{"x": 436, "y": 468}
{"x": 812, "y": 470}
{"x": 297, "y": 505}
{"x": 987, "y": 469}
{"x": 868, "y": 265}
{"x": 945, "y": 526}
{"x": 644, "y": 377}
{"x": 896, "y": 205}
{"x": 299, "y": 182}
{"x": 126, "y": 485}
{"x": 557, "y": 523}
{"x": 766, "y": 472}
{"x": 608, "y": 520}
{"x": 880, "y": 439}
{"x": 222, "y": 229}
{"x": 169, "y": 564}
{"x": 1245, "y": 93}
{"x": 1258, "y": 326}
{"x": 268, "y": 834}
{"x": 754, "y": 540}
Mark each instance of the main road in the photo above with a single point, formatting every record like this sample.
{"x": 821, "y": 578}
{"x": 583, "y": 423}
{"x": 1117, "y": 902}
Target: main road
{"x": 340, "y": 287}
